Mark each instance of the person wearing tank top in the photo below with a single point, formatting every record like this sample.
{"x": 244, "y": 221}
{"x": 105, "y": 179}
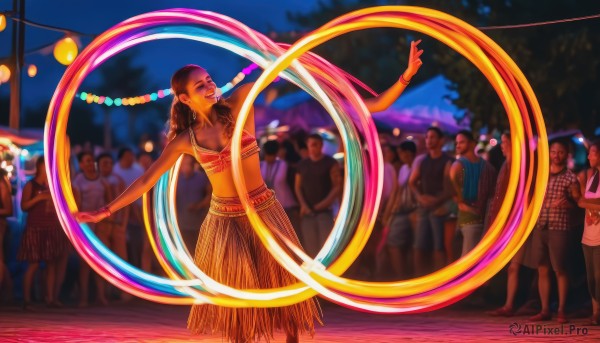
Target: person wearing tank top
{"x": 473, "y": 179}
{"x": 430, "y": 182}
{"x": 128, "y": 170}
{"x": 591, "y": 233}
{"x": 90, "y": 191}
{"x": 318, "y": 184}
{"x": 113, "y": 232}
{"x": 116, "y": 235}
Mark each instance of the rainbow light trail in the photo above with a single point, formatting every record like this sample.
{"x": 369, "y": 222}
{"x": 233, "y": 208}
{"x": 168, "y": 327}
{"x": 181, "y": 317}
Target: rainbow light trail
{"x": 332, "y": 87}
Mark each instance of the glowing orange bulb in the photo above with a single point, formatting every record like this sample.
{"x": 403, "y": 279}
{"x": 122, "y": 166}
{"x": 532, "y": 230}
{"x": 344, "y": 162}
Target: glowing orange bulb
{"x": 2, "y": 22}
{"x": 65, "y": 51}
{"x": 32, "y": 70}
{"x": 4, "y": 73}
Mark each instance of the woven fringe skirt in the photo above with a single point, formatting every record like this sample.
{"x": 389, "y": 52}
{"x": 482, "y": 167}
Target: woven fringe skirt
{"x": 229, "y": 251}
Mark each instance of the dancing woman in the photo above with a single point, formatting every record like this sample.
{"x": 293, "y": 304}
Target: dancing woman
{"x": 228, "y": 251}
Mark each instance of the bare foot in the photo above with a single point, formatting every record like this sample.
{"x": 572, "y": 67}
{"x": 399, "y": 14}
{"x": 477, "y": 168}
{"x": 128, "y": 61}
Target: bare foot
{"x": 291, "y": 338}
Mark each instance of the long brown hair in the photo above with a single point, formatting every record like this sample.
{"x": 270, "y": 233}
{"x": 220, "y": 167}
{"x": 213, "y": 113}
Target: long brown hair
{"x": 182, "y": 115}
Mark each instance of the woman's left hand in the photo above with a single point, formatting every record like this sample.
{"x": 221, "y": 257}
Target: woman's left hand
{"x": 414, "y": 60}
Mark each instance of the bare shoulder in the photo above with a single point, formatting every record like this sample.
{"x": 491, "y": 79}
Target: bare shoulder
{"x": 455, "y": 167}
{"x": 418, "y": 160}
{"x": 239, "y": 95}
{"x": 181, "y": 143}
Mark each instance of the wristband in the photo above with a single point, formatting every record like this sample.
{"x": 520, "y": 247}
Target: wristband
{"x": 106, "y": 211}
{"x": 403, "y": 80}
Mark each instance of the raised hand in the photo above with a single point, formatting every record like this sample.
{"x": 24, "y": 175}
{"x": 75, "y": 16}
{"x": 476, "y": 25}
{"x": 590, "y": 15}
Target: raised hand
{"x": 414, "y": 60}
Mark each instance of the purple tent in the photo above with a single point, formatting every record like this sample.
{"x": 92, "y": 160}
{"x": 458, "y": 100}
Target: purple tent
{"x": 416, "y": 110}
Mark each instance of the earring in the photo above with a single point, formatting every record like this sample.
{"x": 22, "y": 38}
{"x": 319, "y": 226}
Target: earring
{"x": 194, "y": 115}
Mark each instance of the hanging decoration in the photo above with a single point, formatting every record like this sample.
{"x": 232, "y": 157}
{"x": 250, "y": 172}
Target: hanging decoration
{"x": 91, "y": 98}
{"x": 4, "y": 73}
{"x": 65, "y": 51}
{"x": 144, "y": 99}
{"x": 32, "y": 70}
{"x": 2, "y": 22}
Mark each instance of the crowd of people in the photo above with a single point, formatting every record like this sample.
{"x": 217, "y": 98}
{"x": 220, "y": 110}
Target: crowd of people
{"x": 441, "y": 207}
{"x": 435, "y": 208}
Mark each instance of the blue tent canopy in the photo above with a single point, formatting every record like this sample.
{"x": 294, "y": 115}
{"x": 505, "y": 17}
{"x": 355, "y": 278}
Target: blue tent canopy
{"x": 425, "y": 105}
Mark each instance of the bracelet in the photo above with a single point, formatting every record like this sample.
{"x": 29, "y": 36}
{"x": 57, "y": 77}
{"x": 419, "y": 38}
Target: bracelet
{"x": 106, "y": 210}
{"x": 403, "y": 80}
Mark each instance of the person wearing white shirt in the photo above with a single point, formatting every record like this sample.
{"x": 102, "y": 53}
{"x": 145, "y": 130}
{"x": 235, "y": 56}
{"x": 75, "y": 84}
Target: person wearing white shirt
{"x": 274, "y": 171}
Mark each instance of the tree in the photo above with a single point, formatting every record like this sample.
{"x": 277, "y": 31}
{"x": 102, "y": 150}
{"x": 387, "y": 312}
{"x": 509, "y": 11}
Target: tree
{"x": 560, "y": 61}
{"x": 376, "y": 56}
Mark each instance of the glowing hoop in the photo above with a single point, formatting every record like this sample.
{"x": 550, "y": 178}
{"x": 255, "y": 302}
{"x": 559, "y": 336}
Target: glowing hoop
{"x": 330, "y": 86}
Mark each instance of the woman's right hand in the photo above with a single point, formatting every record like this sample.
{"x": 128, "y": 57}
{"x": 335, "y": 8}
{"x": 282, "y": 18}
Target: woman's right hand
{"x": 90, "y": 217}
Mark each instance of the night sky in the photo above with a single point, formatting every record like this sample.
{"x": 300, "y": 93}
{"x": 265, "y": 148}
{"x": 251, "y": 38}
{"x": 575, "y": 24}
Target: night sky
{"x": 161, "y": 58}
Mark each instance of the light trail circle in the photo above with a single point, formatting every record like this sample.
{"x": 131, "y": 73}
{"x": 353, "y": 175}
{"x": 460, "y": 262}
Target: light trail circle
{"x": 513, "y": 224}
{"x": 443, "y": 287}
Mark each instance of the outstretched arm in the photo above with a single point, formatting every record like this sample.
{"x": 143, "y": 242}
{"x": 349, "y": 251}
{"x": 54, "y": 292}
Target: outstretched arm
{"x": 387, "y": 98}
{"x": 174, "y": 149}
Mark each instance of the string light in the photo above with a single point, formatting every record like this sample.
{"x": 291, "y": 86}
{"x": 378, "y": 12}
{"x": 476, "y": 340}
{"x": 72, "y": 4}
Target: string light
{"x": 4, "y": 73}
{"x": 160, "y": 94}
{"x": 2, "y": 22}
{"x": 65, "y": 50}
{"x": 32, "y": 70}
{"x": 128, "y": 101}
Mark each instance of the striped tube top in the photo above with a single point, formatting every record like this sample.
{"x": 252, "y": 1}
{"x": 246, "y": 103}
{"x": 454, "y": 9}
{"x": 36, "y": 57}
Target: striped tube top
{"x": 217, "y": 161}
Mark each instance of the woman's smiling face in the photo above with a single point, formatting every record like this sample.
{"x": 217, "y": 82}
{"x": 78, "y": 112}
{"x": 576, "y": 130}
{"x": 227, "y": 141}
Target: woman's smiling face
{"x": 201, "y": 91}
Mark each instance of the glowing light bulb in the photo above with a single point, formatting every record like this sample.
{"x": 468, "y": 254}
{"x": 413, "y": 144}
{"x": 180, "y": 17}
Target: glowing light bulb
{"x": 65, "y": 51}
{"x": 2, "y": 22}
{"x": 4, "y": 73}
{"x": 32, "y": 70}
